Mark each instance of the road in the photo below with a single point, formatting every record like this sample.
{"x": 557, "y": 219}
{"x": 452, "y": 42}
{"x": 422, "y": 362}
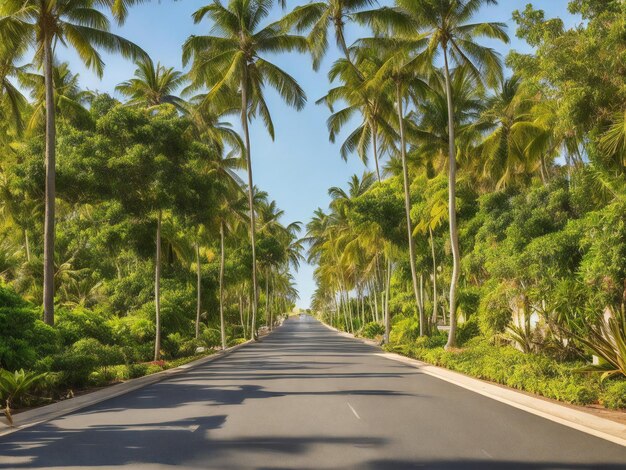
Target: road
{"x": 305, "y": 398}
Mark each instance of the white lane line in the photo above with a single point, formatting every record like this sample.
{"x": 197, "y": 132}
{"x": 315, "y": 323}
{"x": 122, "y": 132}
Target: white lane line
{"x": 353, "y": 411}
{"x": 486, "y": 453}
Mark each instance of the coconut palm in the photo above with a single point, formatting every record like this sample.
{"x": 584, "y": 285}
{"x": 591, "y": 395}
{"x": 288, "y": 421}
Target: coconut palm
{"x": 233, "y": 60}
{"x": 372, "y": 105}
{"x": 12, "y": 102}
{"x": 402, "y": 67}
{"x": 447, "y": 26}
{"x": 69, "y": 98}
{"x": 153, "y": 85}
{"x": 81, "y": 26}
{"x": 510, "y": 128}
{"x": 320, "y": 17}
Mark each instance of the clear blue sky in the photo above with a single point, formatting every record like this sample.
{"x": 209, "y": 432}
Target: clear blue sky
{"x": 300, "y": 165}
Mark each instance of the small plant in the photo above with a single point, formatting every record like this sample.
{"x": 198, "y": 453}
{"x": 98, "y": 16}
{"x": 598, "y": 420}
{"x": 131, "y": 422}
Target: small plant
{"x": 372, "y": 330}
{"x": 607, "y": 340}
{"x": 16, "y": 386}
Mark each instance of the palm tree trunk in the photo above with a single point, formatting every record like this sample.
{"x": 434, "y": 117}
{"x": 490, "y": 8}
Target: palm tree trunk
{"x": 432, "y": 247}
{"x": 386, "y": 306}
{"x": 50, "y": 194}
{"x": 243, "y": 323}
{"x": 272, "y": 304}
{"x": 27, "y": 245}
{"x": 198, "y": 290}
{"x": 244, "y": 124}
{"x": 267, "y": 297}
{"x": 374, "y": 131}
{"x": 454, "y": 235}
{"x": 407, "y": 206}
{"x": 222, "y": 262}
{"x": 157, "y": 289}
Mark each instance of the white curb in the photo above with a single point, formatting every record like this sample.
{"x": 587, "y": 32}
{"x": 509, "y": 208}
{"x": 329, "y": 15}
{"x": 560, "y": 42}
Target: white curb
{"x": 596, "y": 426}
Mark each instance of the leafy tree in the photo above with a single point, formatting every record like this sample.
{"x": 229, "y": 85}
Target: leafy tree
{"x": 80, "y": 25}
{"x": 233, "y": 61}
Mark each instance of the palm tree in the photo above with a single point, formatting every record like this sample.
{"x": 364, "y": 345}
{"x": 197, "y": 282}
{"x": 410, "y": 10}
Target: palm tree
{"x": 232, "y": 61}
{"x": 508, "y": 119}
{"x": 153, "y": 85}
{"x": 12, "y": 102}
{"x": 77, "y": 24}
{"x": 373, "y": 106}
{"x": 324, "y": 15}
{"x": 446, "y": 25}
{"x": 402, "y": 67}
{"x": 69, "y": 98}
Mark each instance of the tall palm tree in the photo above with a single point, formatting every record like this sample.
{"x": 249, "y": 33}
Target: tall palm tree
{"x": 69, "y": 98}
{"x": 79, "y": 25}
{"x": 508, "y": 120}
{"x": 447, "y": 26}
{"x": 233, "y": 60}
{"x": 153, "y": 85}
{"x": 12, "y": 102}
{"x": 320, "y": 17}
{"x": 402, "y": 67}
{"x": 373, "y": 105}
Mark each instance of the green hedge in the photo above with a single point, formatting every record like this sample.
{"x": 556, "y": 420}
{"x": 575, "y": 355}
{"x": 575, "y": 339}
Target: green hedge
{"x": 529, "y": 372}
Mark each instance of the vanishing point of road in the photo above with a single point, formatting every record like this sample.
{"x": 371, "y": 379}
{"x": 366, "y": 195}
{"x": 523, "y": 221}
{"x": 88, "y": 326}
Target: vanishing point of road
{"x": 305, "y": 398}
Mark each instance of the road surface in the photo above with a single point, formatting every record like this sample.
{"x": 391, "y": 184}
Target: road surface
{"x": 305, "y": 398}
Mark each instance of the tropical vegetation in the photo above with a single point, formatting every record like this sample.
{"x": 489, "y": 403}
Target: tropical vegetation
{"x": 489, "y": 237}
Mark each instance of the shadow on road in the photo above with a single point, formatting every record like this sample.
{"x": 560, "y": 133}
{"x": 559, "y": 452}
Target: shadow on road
{"x": 195, "y": 419}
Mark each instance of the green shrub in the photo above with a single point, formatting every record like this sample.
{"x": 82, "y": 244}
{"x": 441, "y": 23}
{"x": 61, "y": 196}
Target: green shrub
{"x": 437, "y": 340}
{"x": 373, "y": 329}
{"x": 24, "y": 338}
{"x": 236, "y": 341}
{"x": 506, "y": 365}
{"x": 83, "y": 358}
{"x": 137, "y": 370}
{"x": 468, "y": 330}
{"x": 80, "y": 323}
{"x": 210, "y": 337}
{"x": 10, "y": 298}
{"x": 404, "y": 330}
{"x": 494, "y": 311}
{"x": 614, "y": 396}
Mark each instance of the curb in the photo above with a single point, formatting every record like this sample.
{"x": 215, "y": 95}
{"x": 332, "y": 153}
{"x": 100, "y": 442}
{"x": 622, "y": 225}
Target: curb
{"x": 575, "y": 419}
{"x": 47, "y": 413}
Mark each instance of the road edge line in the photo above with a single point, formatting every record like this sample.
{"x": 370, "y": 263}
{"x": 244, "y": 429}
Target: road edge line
{"x": 69, "y": 406}
{"x": 575, "y": 419}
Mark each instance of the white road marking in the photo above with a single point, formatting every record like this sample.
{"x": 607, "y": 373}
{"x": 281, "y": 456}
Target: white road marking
{"x": 486, "y": 453}
{"x": 353, "y": 411}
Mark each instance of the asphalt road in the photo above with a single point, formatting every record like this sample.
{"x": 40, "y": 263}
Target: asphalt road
{"x": 305, "y": 398}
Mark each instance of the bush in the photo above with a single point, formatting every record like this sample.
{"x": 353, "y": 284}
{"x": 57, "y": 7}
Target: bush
{"x": 23, "y": 337}
{"x": 404, "y": 330}
{"x": 373, "y": 329}
{"x": 494, "y": 311}
{"x": 506, "y": 365}
{"x": 80, "y": 323}
{"x": 236, "y": 341}
{"x": 83, "y": 358}
{"x": 210, "y": 337}
{"x": 615, "y": 395}
{"x": 16, "y": 388}
{"x": 467, "y": 331}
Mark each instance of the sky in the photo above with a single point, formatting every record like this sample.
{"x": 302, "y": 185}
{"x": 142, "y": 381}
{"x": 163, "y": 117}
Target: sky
{"x": 301, "y": 164}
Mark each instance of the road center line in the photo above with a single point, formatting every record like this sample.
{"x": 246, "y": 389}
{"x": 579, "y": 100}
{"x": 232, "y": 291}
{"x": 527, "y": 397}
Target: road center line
{"x": 353, "y": 411}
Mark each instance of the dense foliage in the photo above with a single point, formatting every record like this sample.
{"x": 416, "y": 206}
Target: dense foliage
{"x": 127, "y": 220}
{"x": 539, "y": 199}
{"x": 495, "y": 220}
